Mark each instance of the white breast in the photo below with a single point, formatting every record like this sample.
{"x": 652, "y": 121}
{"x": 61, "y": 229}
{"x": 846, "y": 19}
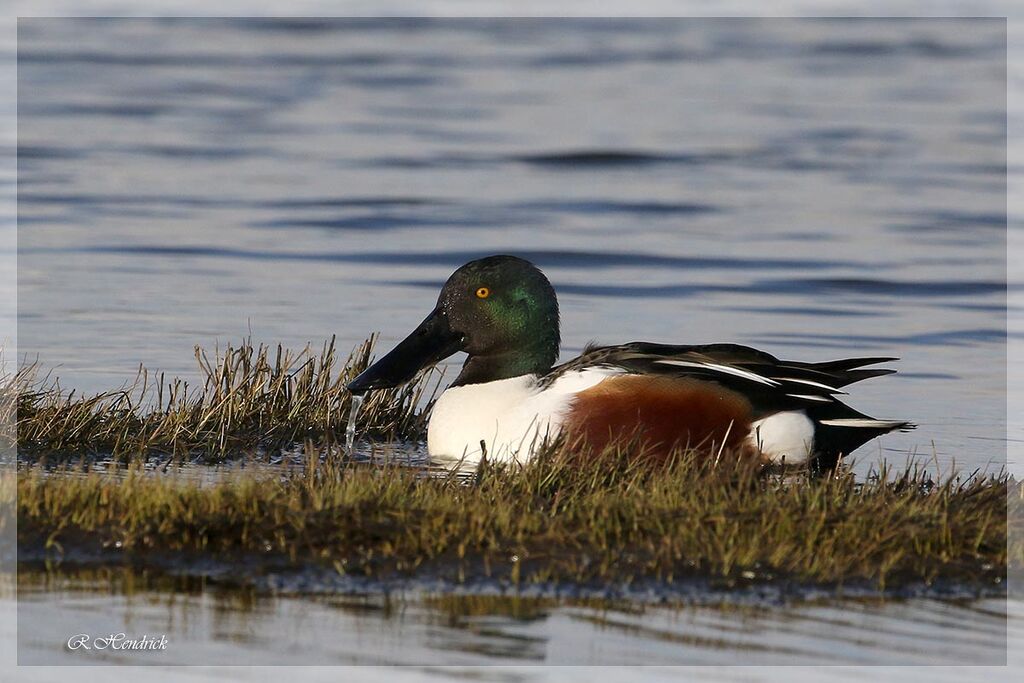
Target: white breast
{"x": 510, "y": 416}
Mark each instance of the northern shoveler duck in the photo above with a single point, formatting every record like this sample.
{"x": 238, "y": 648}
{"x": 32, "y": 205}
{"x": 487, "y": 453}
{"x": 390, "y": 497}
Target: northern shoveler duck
{"x": 502, "y": 311}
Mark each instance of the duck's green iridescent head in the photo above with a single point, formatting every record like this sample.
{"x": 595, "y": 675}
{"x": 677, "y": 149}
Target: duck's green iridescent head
{"x": 501, "y": 310}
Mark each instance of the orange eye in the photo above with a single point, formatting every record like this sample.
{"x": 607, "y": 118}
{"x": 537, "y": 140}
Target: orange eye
{"x": 483, "y": 293}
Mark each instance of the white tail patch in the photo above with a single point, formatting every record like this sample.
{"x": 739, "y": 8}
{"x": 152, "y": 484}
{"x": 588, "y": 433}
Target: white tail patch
{"x": 785, "y": 436}
{"x": 864, "y": 423}
{"x": 725, "y": 369}
{"x": 811, "y": 383}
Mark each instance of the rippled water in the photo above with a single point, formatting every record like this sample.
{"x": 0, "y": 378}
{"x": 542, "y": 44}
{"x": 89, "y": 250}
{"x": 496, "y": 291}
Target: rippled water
{"x": 207, "y": 624}
{"x": 815, "y": 188}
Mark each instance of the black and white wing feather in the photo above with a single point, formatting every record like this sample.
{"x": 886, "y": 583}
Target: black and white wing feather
{"x": 770, "y": 383}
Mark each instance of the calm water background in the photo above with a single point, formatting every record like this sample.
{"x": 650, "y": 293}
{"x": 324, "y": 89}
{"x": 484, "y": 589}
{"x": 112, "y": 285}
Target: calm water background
{"x": 815, "y": 188}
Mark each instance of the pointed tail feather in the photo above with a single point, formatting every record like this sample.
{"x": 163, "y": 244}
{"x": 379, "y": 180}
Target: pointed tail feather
{"x": 851, "y": 363}
{"x": 850, "y": 370}
{"x": 869, "y": 423}
{"x": 852, "y": 376}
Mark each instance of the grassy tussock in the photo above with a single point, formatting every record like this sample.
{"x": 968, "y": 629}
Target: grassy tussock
{"x": 250, "y": 398}
{"x": 557, "y": 519}
{"x": 565, "y": 517}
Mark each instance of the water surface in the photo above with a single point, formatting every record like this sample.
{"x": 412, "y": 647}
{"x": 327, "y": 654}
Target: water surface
{"x": 815, "y": 188}
{"x": 209, "y": 624}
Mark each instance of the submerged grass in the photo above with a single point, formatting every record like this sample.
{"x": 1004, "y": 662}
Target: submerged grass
{"x": 554, "y": 520}
{"x": 250, "y": 398}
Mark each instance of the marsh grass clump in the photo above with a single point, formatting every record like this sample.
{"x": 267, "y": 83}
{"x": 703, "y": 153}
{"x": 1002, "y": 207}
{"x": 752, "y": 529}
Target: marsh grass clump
{"x": 557, "y": 519}
{"x": 570, "y": 516}
{"x": 249, "y": 398}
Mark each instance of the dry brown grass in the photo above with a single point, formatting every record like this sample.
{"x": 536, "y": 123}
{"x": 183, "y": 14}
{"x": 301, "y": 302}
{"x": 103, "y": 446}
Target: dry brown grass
{"x": 250, "y": 398}
{"x": 552, "y": 520}
{"x": 562, "y": 518}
